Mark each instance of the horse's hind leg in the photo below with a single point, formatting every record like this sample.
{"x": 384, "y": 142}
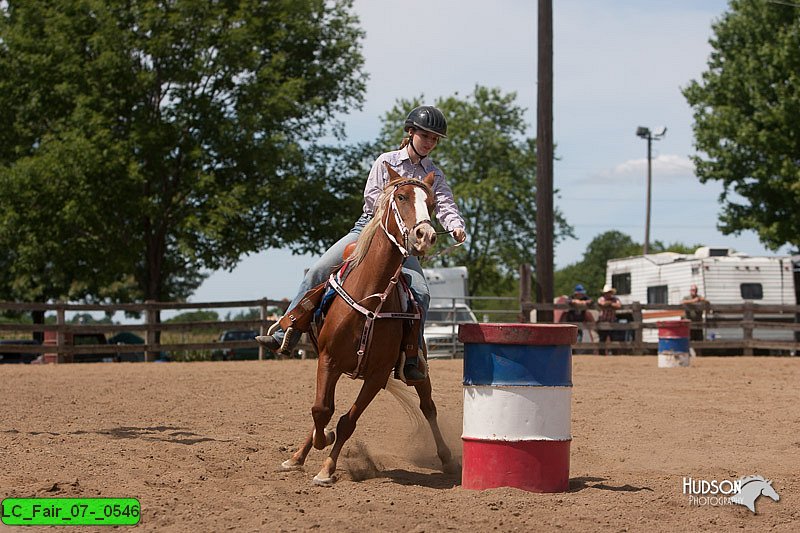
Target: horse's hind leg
{"x": 428, "y": 409}
{"x": 345, "y": 428}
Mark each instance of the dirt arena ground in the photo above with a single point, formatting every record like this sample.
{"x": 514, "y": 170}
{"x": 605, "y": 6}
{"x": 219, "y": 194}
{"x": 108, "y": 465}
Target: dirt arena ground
{"x": 198, "y": 444}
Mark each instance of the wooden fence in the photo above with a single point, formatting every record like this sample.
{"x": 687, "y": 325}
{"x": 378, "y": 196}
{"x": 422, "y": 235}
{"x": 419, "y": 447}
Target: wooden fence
{"x": 749, "y": 328}
{"x": 744, "y": 328}
{"x": 61, "y": 349}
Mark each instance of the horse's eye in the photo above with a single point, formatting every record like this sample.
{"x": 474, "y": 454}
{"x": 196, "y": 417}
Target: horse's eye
{"x": 401, "y": 197}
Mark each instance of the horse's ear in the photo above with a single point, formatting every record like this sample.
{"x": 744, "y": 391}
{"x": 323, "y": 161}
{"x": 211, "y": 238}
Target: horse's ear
{"x": 429, "y": 179}
{"x": 393, "y": 175}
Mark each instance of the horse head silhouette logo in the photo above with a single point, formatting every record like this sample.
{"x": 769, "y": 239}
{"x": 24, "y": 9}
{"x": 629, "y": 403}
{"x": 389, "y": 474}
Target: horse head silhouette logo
{"x": 752, "y": 488}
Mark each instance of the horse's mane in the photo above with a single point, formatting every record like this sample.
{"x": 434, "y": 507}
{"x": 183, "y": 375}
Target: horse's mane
{"x": 364, "y": 240}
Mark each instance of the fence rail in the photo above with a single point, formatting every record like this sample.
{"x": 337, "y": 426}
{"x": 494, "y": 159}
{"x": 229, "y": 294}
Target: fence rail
{"x": 748, "y": 327}
{"x": 59, "y": 348}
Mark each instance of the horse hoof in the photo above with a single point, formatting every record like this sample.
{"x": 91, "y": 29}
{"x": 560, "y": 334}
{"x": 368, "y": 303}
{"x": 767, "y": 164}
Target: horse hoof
{"x": 288, "y": 466}
{"x": 324, "y": 481}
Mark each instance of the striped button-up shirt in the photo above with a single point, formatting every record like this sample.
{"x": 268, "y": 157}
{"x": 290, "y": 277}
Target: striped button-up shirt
{"x": 446, "y": 210}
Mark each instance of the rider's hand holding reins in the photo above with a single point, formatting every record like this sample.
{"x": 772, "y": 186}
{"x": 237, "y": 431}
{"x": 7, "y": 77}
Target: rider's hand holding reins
{"x": 459, "y": 235}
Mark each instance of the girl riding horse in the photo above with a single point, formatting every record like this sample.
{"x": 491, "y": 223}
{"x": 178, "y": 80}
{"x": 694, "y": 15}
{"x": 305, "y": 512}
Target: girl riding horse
{"x": 425, "y": 125}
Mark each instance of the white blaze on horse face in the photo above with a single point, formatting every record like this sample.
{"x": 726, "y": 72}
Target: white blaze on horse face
{"x": 423, "y": 236}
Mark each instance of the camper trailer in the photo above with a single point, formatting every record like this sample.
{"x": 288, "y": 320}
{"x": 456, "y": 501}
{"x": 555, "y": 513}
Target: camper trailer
{"x": 721, "y": 275}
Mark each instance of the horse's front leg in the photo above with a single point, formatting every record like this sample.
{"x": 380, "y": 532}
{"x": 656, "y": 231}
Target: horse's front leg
{"x": 428, "y": 408}
{"x": 322, "y": 410}
{"x": 345, "y": 428}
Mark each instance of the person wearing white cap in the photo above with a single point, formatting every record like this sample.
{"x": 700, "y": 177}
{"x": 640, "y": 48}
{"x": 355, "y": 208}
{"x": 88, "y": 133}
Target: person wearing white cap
{"x": 608, "y": 304}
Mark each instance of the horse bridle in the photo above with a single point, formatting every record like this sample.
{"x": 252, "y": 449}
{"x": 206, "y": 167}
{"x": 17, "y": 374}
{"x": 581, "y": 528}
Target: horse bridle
{"x": 400, "y": 224}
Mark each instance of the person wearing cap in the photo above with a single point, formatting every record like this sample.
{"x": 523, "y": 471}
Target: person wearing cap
{"x": 579, "y": 302}
{"x": 694, "y": 303}
{"x": 608, "y": 304}
{"x": 424, "y": 126}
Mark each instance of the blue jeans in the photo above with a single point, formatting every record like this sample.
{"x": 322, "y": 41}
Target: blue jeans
{"x": 322, "y": 268}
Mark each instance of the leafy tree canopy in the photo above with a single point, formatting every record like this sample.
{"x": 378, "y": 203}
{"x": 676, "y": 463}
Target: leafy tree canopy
{"x": 747, "y": 119}
{"x": 146, "y": 142}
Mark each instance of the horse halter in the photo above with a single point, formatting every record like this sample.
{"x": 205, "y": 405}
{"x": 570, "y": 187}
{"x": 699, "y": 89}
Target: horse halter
{"x": 400, "y": 224}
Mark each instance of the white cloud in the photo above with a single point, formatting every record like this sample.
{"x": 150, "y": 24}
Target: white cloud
{"x": 664, "y": 166}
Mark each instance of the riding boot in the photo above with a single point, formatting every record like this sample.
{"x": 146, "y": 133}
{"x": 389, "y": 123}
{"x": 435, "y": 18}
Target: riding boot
{"x": 284, "y": 346}
{"x": 411, "y": 370}
{"x": 295, "y": 322}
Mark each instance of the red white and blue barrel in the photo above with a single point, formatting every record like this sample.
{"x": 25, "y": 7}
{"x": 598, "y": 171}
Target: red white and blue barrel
{"x": 673, "y": 343}
{"x": 517, "y": 405}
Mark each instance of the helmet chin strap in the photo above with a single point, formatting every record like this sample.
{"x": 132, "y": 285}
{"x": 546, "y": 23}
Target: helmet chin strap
{"x": 411, "y": 144}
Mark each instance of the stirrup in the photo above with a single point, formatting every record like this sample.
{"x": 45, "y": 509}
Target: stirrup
{"x": 274, "y": 327}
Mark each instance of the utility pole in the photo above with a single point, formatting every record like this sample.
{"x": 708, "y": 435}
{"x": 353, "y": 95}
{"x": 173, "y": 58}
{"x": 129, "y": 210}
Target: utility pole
{"x": 544, "y": 161}
{"x": 649, "y": 187}
{"x": 645, "y": 133}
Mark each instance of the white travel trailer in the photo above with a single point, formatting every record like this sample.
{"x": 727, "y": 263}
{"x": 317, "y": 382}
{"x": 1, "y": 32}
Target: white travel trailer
{"x": 721, "y": 275}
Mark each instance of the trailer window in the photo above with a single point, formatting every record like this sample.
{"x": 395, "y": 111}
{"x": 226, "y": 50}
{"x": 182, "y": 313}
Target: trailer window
{"x": 621, "y": 282}
{"x": 657, "y": 294}
{"x": 751, "y": 291}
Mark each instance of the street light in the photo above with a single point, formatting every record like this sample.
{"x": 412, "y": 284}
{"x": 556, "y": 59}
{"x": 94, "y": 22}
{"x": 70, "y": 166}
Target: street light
{"x": 645, "y": 133}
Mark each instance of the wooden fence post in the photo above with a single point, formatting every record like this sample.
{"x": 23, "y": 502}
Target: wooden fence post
{"x": 262, "y": 329}
{"x": 151, "y": 323}
{"x": 525, "y": 293}
{"x": 747, "y": 328}
{"x": 638, "y": 333}
{"x": 61, "y": 338}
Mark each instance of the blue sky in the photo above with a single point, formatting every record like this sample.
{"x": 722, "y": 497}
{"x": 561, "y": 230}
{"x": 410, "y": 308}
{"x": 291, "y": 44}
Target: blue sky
{"x": 617, "y": 65}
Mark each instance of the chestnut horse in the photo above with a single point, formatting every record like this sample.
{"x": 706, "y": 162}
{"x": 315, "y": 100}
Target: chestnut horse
{"x": 400, "y": 227}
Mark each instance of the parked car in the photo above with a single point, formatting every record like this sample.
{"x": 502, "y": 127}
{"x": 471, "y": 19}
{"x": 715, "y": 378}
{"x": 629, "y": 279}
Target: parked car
{"x": 441, "y": 329}
{"x": 17, "y": 357}
{"x": 240, "y": 353}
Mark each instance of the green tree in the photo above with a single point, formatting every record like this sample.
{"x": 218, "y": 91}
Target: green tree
{"x": 491, "y": 166}
{"x": 201, "y": 315}
{"x": 747, "y": 120}
{"x": 144, "y": 143}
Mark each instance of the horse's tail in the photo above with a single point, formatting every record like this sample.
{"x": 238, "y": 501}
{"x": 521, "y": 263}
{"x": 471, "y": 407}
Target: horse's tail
{"x": 407, "y": 401}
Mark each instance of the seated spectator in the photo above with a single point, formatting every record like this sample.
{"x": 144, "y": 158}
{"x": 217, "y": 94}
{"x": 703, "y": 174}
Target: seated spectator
{"x": 579, "y": 302}
{"x": 694, "y": 305}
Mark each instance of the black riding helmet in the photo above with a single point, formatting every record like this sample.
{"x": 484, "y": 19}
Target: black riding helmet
{"x": 428, "y": 118}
